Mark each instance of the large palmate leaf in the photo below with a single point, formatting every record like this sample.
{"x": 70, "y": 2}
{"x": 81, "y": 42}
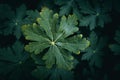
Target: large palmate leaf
{"x": 95, "y": 14}
{"x": 94, "y": 54}
{"x": 15, "y": 21}
{"x": 13, "y": 62}
{"x": 116, "y": 46}
{"x": 52, "y": 35}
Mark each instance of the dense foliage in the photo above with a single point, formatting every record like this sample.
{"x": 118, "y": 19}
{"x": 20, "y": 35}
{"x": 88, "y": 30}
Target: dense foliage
{"x": 59, "y": 40}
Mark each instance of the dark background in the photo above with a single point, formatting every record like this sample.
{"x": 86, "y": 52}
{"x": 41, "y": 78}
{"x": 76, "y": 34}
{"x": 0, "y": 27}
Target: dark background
{"x": 110, "y": 60}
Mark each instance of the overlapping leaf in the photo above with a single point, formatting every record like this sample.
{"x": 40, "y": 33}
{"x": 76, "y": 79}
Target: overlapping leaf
{"x": 31, "y": 16}
{"x": 96, "y": 15}
{"x": 67, "y": 6}
{"x": 13, "y": 62}
{"x": 15, "y": 20}
{"x": 43, "y": 73}
{"x": 94, "y": 54}
{"x": 54, "y": 36}
{"x": 5, "y": 12}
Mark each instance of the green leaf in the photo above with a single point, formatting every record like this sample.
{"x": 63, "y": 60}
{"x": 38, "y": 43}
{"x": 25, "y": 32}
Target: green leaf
{"x": 66, "y": 8}
{"x": 60, "y": 58}
{"x": 58, "y": 74}
{"x": 68, "y": 25}
{"x": 97, "y": 60}
{"x": 52, "y": 35}
{"x": 21, "y": 11}
{"x": 116, "y": 46}
{"x": 89, "y": 21}
{"x": 94, "y": 53}
{"x": 43, "y": 73}
{"x": 60, "y": 2}
{"x": 5, "y": 12}
{"x": 13, "y": 62}
{"x": 74, "y": 44}
{"x": 87, "y": 56}
{"x": 86, "y": 7}
{"x": 31, "y": 16}
{"x": 45, "y": 17}
{"x": 39, "y": 43}
{"x": 95, "y": 14}
{"x": 13, "y": 25}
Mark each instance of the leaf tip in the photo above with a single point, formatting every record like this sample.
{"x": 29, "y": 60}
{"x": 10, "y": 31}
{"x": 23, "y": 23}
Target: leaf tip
{"x": 80, "y": 36}
{"x": 71, "y": 58}
{"x": 56, "y": 15}
{"x": 88, "y": 43}
{"x": 34, "y": 24}
{"x": 78, "y": 52}
{"x": 38, "y": 20}
{"x": 24, "y": 27}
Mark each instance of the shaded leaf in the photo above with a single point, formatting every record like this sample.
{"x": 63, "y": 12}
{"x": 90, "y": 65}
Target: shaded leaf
{"x": 43, "y": 73}
{"x": 13, "y": 62}
{"x": 94, "y": 53}
{"x": 116, "y": 46}
{"x": 95, "y": 14}
{"x": 13, "y": 25}
{"x": 31, "y": 16}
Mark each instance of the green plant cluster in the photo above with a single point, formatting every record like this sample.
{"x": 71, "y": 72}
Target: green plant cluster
{"x": 60, "y": 40}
